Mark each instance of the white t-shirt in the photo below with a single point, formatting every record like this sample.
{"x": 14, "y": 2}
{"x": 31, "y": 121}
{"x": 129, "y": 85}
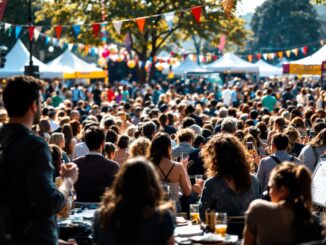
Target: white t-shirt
{"x": 227, "y": 96}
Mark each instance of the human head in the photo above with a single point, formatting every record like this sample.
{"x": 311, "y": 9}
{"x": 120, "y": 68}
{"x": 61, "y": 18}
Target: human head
{"x": 109, "y": 150}
{"x": 56, "y": 158}
{"x": 58, "y": 139}
{"x": 228, "y": 126}
{"x": 21, "y": 95}
{"x": 186, "y": 135}
{"x": 319, "y": 139}
{"x": 94, "y": 138}
{"x": 67, "y": 131}
{"x": 160, "y": 147}
{"x": 139, "y": 147}
{"x": 225, "y": 156}
{"x": 123, "y": 142}
{"x": 149, "y": 129}
{"x": 135, "y": 190}
{"x": 280, "y": 141}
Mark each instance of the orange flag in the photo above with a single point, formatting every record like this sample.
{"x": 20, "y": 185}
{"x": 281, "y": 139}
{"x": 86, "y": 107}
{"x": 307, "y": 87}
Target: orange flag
{"x": 141, "y": 24}
{"x": 250, "y": 58}
{"x": 280, "y": 54}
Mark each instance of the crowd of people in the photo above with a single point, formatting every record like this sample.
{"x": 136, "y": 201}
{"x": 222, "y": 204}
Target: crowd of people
{"x": 256, "y": 144}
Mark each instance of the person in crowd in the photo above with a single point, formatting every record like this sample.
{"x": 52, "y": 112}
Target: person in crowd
{"x": 149, "y": 130}
{"x": 185, "y": 138}
{"x": 288, "y": 218}
{"x": 280, "y": 144}
{"x": 172, "y": 173}
{"x": 70, "y": 141}
{"x": 121, "y": 154}
{"x": 278, "y": 125}
{"x": 59, "y": 140}
{"x": 310, "y": 153}
{"x": 163, "y": 118}
{"x": 139, "y": 147}
{"x": 294, "y": 136}
{"x": 134, "y": 204}
{"x": 95, "y": 171}
{"x": 230, "y": 187}
{"x": 228, "y": 126}
{"x": 109, "y": 150}
{"x": 44, "y": 129}
{"x": 30, "y": 195}
{"x": 269, "y": 101}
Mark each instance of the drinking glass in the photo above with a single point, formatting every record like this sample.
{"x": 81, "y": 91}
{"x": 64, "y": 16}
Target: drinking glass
{"x": 198, "y": 178}
{"x": 194, "y": 213}
{"x": 184, "y": 156}
{"x": 221, "y": 223}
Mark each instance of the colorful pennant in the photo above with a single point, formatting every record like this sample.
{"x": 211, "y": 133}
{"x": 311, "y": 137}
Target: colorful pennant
{"x": 169, "y": 19}
{"x": 76, "y": 29}
{"x": 117, "y": 25}
{"x": 196, "y": 12}
{"x": 140, "y": 23}
{"x": 58, "y": 30}
{"x": 96, "y": 29}
{"x": 18, "y": 30}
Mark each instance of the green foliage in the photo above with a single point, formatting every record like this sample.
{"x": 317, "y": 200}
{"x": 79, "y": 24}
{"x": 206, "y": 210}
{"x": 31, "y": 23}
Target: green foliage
{"x": 284, "y": 23}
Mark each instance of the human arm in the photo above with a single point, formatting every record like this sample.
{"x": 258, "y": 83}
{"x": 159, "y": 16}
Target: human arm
{"x": 184, "y": 181}
{"x": 248, "y": 238}
{"x": 261, "y": 173}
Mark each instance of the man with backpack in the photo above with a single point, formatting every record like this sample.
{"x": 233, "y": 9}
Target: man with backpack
{"x": 280, "y": 143}
{"x": 29, "y": 198}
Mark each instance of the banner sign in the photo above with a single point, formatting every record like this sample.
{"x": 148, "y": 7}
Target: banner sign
{"x": 3, "y": 4}
{"x": 302, "y": 69}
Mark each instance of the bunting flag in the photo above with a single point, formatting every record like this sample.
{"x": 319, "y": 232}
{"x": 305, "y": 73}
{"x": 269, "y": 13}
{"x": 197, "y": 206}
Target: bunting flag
{"x": 222, "y": 42}
{"x": 18, "y": 30}
{"x": 70, "y": 46}
{"x": 322, "y": 42}
{"x": 304, "y": 50}
{"x": 196, "y": 12}
{"x": 272, "y": 55}
{"x": 227, "y": 6}
{"x": 258, "y": 56}
{"x": 117, "y": 26}
{"x": 250, "y": 58}
{"x": 37, "y": 32}
{"x": 31, "y": 32}
{"x": 169, "y": 19}
{"x": 280, "y": 54}
{"x": 7, "y": 26}
{"x": 47, "y": 40}
{"x": 140, "y": 23}
{"x": 295, "y": 51}
{"x": 76, "y": 29}
{"x": 128, "y": 42}
{"x": 58, "y": 30}
{"x": 288, "y": 53}
{"x": 265, "y": 56}
{"x": 96, "y": 29}
{"x": 3, "y": 4}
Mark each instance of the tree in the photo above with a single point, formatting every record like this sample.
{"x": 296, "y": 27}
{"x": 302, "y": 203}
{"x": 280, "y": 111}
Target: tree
{"x": 284, "y": 23}
{"x": 156, "y": 34}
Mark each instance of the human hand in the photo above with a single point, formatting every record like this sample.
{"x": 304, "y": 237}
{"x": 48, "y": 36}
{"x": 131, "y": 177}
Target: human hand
{"x": 198, "y": 187}
{"x": 185, "y": 162}
{"x": 69, "y": 170}
{"x": 69, "y": 242}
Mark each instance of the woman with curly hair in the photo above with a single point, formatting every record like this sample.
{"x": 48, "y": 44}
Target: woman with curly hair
{"x": 132, "y": 211}
{"x": 230, "y": 186}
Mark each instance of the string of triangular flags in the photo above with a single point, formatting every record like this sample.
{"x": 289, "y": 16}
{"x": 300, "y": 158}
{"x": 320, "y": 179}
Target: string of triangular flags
{"x": 196, "y": 11}
{"x": 282, "y": 53}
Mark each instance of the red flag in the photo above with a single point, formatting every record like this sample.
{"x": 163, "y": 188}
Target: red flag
{"x": 58, "y": 30}
{"x": 196, "y": 12}
{"x": 31, "y": 32}
{"x": 258, "y": 56}
{"x": 141, "y": 23}
{"x": 3, "y": 4}
{"x": 305, "y": 50}
{"x": 222, "y": 42}
{"x": 96, "y": 29}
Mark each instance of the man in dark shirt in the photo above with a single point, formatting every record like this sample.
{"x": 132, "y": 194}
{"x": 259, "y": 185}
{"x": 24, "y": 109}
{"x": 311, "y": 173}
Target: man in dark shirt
{"x": 95, "y": 171}
{"x": 28, "y": 189}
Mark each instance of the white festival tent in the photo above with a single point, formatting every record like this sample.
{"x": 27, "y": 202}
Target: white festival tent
{"x": 67, "y": 62}
{"x": 18, "y": 58}
{"x": 229, "y": 62}
{"x": 266, "y": 70}
{"x": 187, "y": 66}
{"x": 315, "y": 59}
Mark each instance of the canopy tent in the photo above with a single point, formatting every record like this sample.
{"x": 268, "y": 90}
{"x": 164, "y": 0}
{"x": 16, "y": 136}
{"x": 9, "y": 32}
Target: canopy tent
{"x": 229, "y": 62}
{"x": 282, "y": 61}
{"x": 18, "y": 58}
{"x": 310, "y": 65}
{"x": 266, "y": 70}
{"x": 187, "y": 66}
{"x": 74, "y": 67}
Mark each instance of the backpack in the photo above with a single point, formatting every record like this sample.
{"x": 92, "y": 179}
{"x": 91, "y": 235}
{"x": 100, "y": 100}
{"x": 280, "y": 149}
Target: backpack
{"x": 6, "y": 221}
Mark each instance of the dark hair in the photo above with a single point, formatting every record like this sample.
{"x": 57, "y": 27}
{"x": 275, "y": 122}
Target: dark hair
{"x": 225, "y": 156}
{"x": 160, "y": 148}
{"x": 318, "y": 127}
{"x": 198, "y": 141}
{"x": 136, "y": 191}
{"x": 123, "y": 142}
{"x": 20, "y": 93}
{"x": 109, "y": 148}
{"x": 281, "y": 141}
{"x": 67, "y": 131}
{"x": 187, "y": 122}
{"x": 163, "y": 118}
{"x": 111, "y": 136}
{"x": 75, "y": 126}
{"x": 94, "y": 137}
{"x": 149, "y": 129}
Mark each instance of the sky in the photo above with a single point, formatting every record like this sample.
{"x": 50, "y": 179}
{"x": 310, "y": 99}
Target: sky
{"x": 248, "y": 6}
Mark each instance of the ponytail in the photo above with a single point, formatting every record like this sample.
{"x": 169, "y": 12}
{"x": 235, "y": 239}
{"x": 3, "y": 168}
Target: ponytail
{"x": 303, "y": 178}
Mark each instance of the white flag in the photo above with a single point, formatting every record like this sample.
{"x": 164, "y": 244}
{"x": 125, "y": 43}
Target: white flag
{"x": 70, "y": 46}
{"x": 37, "y": 32}
{"x": 265, "y": 56}
{"x": 169, "y": 19}
{"x": 7, "y": 26}
{"x": 117, "y": 25}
